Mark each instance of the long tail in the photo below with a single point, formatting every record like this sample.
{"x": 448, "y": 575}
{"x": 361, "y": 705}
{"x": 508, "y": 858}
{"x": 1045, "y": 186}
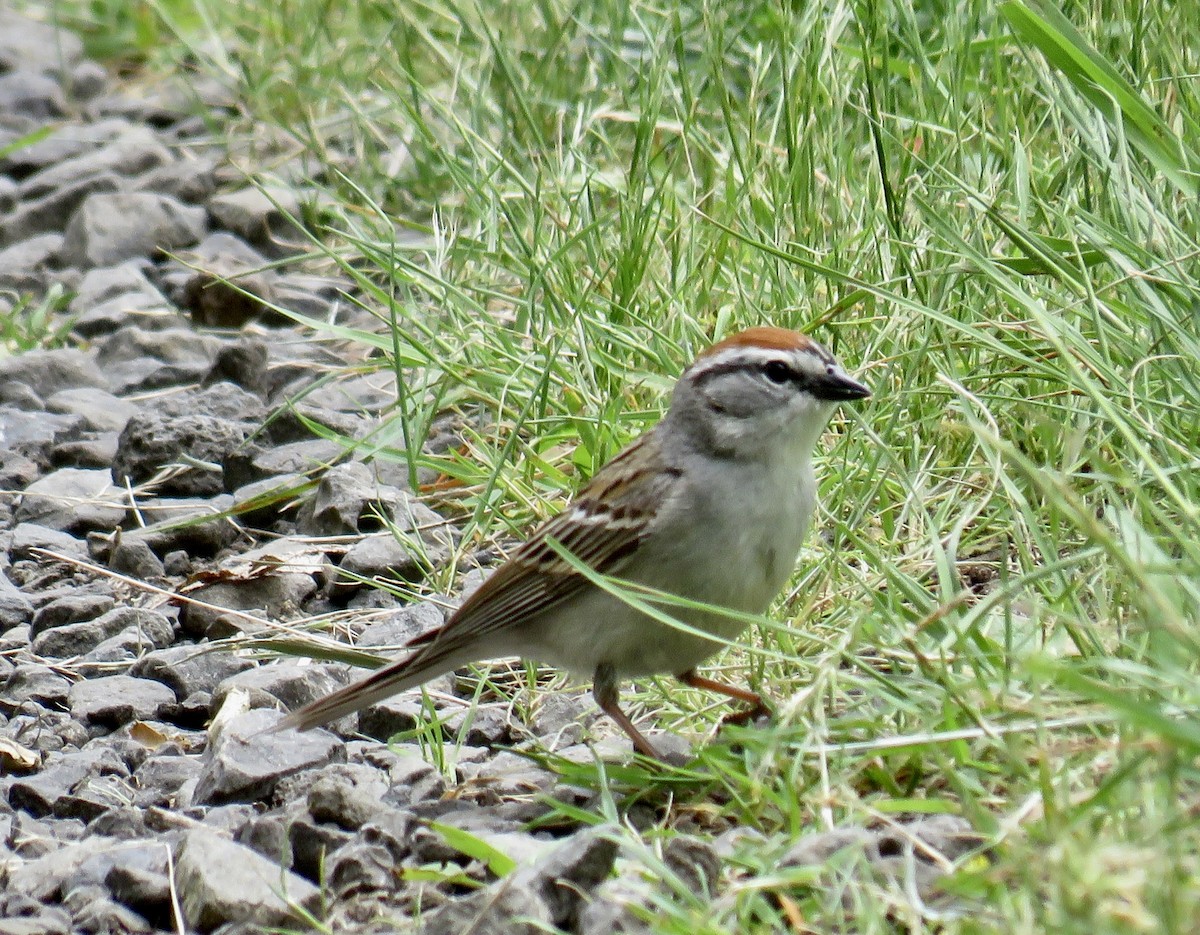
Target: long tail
{"x": 401, "y": 675}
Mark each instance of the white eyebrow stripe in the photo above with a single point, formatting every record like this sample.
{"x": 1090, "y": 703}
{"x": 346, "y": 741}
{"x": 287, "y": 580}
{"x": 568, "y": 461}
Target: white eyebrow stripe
{"x": 748, "y": 356}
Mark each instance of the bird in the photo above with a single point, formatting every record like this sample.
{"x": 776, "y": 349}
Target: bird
{"x": 712, "y": 505}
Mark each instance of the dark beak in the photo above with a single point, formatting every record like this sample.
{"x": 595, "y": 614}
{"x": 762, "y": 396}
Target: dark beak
{"x": 837, "y": 386}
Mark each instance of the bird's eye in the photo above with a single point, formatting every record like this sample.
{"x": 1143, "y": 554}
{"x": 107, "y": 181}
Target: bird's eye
{"x": 777, "y": 371}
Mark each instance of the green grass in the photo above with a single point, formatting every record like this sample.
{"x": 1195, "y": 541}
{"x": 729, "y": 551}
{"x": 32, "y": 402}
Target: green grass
{"x": 28, "y": 324}
{"x": 991, "y": 215}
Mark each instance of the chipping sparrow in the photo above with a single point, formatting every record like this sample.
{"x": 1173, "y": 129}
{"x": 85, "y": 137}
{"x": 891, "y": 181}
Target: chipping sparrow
{"x": 711, "y": 505}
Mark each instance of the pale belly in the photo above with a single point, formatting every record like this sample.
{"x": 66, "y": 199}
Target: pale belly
{"x": 744, "y": 572}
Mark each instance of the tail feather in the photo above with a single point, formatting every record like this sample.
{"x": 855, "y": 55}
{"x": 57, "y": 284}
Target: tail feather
{"x": 392, "y": 679}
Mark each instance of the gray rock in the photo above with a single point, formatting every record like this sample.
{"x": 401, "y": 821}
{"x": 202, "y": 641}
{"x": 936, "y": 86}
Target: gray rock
{"x": 385, "y": 719}
{"x": 93, "y": 452}
{"x": 412, "y": 777}
{"x": 560, "y": 718}
{"x": 138, "y": 359}
{"x": 224, "y": 295}
{"x": 135, "y": 308}
{"x": 119, "y": 699}
{"x": 356, "y": 394}
{"x": 31, "y": 94}
{"x": 906, "y": 852}
{"x": 109, "y": 228}
{"x": 510, "y": 906}
{"x": 30, "y": 44}
{"x": 383, "y": 557}
{"x": 13, "y": 641}
{"x": 92, "y": 911}
{"x": 816, "y": 849}
{"x": 34, "y": 434}
{"x": 482, "y": 725}
{"x": 8, "y": 198}
{"x": 133, "y": 150}
{"x": 187, "y": 670}
{"x": 160, "y": 779}
{"x": 108, "y": 282}
{"x": 70, "y": 864}
{"x": 63, "y": 777}
{"x": 144, "y": 890}
{"x": 223, "y": 400}
{"x": 142, "y": 853}
{"x": 149, "y": 443}
{"x": 278, "y": 595}
{"x": 73, "y": 500}
{"x": 17, "y": 472}
{"x": 117, "y": 653}
{"x": 296, "y": 424}
{"x": 195, "y": 708}
{"x": 19, "y": 396}
{"x": 195, "y": 527}
{"x": 221, "y": 882}
{"x": 36, "y": 683}
{"x": 269, "y": 499}
{"x": 44, "y": 920}
{"x": 567, "y": 875}
{"x": 99, "y": 410}
{"x": 951, "y": 836}
{"x": 221, "y": 246}
{"x": 177, "y": 563}
{"x": 25, "y": 266}
{"x": 243, "y": 364}
{"x": 88, "y": 80}
{"x": 133, "y": 557}
{"x": 429, "y": 845}
{"x": 245, "y": 764}
{"x": 347, "y": 795}
{"x": 62, "y": 143}
{"x": 256, "y": 215}
{"x": 121, "y": 821}
{"x": 348, "y": 500}
{"x": 28, "y": 537}
{"x": 93, "y": 797}
{"x": 252, "y": 463}
{"x": 506, "y": 776}
{"x": 47, "y": 731}
{"x": 15, "y": 608}
{"x": 289, "y": 684}
{"x": 405, "y": 625}
{"x": 71, "y": 608}
{"x": 310, "y": 843}
{"x": 338, "y": 505}
{"x": 53, "y": 210}
{"x": 359, "y": 867}
{"x": 76, "y": 639}
{"x": 268, "y": 834}
{"x": 190, "y": 178}
{"x": 312, "y": 296}
{"x": 618, "y": 907}
{"x": 47, "y": 372}
{"x": 154, "y": 105}
{"x": 695, "y": 862}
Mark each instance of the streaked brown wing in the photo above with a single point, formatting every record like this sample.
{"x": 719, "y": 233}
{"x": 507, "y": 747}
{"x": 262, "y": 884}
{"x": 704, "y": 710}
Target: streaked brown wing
{"x": 602, "y": 527}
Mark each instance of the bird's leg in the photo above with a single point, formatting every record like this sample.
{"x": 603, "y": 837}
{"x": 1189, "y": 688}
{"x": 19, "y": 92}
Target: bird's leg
{"x": 604, "y": 690}
{"x": 758, "y": 708}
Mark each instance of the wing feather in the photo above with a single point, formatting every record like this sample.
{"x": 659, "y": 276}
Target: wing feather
{"x": 602, "y": 527}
